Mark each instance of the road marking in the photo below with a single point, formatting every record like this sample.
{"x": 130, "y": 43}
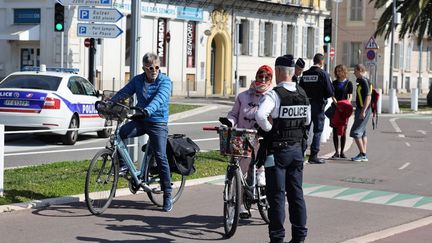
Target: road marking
{"x": 422, "y": 132}
{"x": 408, "y": 144}
{"x": 361, "y": 195}
{"x": 401, "y": 135}
{"x": 395, "y": 125}
{"x": 205, "y": 139}
{"x": 190, "y": 123}
{"x": 58, "y": 151}
{"x": 404, "y": 166}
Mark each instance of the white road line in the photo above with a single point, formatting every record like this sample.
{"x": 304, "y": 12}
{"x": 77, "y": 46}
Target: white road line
{"x": 395, "y": 125}
{"x": 58, "y": 151}
{"x": 205, "y": 139}
{"x": 422, "y": 132}
{"x": 401, "y": 135}
{"x": 404, "y": 166}
{"x": 190, "y": 123}
{"x": 408, "y": 144}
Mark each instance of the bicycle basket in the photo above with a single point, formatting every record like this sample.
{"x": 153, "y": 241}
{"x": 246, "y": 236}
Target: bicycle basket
{"x": 233, "y": 141}
{"x": 114, "y": 112}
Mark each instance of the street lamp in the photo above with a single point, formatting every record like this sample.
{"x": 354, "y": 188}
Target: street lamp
{"x": 336, "y": 30}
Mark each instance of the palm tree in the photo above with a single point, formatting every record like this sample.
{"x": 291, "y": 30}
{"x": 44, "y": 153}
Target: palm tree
{"x": 416, "y": 20}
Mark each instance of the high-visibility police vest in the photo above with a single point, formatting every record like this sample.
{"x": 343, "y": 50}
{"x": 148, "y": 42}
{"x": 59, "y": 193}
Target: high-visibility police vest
{"x": 289, "y": 127}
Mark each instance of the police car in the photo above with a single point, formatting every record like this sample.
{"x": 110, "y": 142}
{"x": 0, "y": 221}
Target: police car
{"x": 51, "y": 99}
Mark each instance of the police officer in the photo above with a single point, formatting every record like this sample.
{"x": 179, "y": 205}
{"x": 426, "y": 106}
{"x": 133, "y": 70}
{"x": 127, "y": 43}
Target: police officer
{"x": 298, "y": 71}
{"x": 316, "y": 82}
{"x": 288, "y": 106}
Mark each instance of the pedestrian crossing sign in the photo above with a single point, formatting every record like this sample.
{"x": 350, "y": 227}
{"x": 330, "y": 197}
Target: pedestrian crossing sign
{"x": 371, "y": 44}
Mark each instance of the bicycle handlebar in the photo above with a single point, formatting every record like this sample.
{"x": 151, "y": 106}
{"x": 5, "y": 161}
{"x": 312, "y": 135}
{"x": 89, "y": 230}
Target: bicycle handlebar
{"x": 210, "y": 128}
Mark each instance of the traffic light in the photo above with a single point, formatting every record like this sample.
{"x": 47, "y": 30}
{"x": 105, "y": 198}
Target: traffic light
{"x": 58, "y": 17}
{"x": 327, "y": 31}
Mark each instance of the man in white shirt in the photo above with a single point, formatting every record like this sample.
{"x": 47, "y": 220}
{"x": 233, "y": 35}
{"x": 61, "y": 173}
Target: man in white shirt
{"x": 288, "y": 107}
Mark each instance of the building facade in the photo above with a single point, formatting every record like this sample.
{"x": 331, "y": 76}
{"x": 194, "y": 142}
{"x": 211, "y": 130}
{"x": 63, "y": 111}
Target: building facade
{"x": 356, "y": 22}
{"x": 208, "y": 48}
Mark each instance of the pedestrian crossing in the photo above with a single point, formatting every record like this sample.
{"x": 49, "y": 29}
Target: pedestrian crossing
{"x": 361, "y": 195}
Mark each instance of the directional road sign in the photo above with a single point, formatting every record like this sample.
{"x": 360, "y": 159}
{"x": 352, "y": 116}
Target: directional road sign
{"x": 111, "y": 15}
{"x": 98, "y": 30}
{"x": 106, "y": 3}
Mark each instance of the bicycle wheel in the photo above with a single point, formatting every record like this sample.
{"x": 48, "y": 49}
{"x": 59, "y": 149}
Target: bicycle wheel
{"x": 263, "y": 204}
{"x": 232, "y": 201}
{"x": 101, "y": 181}
{"x": 153, "y": 180}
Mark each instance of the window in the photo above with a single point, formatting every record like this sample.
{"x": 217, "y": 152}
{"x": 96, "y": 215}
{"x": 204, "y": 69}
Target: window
{"x": 31, "y": 82}
{"x": 246, "y": 37}
{"x": 88, "y": 87}
{"x": 310, "y": 49}
{"x": 408, "y": 57}
{"x": 407, "y": 84}
{"x": 395, "y": 82}
{"x": 396, "y": 56}
{"x": 27, "y": 16}
{"x": 351, "y": 53}
{"x": 288, "y": 39}
{"x": 268, "y": 39}
{"x": 429, "y": 61}
{"x": 356, "y": 12}
{"x": 242, "y": 81}
{"x": 75, "y": 86}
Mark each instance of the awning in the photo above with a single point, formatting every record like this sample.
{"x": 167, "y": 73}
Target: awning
{"x": 21, "y": 33}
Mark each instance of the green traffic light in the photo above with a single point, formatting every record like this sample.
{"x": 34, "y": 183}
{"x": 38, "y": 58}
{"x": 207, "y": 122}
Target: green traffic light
{"x": 59, "y": 27}
{"x": 327, "y": 38}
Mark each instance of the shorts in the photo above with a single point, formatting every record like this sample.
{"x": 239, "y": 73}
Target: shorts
{"x": 358, "y": 129}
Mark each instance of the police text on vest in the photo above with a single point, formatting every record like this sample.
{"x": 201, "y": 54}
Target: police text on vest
{"x": 295, "y": 111}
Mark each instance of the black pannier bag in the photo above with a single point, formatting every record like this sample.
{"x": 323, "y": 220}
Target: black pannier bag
{"x": 181, "y": 151}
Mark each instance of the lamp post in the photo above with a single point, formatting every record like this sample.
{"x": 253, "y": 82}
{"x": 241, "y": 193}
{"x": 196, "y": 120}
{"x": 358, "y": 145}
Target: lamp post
{"x": 392, "y": 91}
{"x": 336, "y": 30}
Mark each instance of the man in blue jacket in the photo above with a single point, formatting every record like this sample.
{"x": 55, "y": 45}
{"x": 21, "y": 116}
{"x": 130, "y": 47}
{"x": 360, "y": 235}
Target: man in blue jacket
{"x": 152, "y": 90}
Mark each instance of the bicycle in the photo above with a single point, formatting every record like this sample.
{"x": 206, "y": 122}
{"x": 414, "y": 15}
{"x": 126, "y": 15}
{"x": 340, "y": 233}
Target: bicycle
{"x": 239, "y": 143}
{"x": 103, "y": 172}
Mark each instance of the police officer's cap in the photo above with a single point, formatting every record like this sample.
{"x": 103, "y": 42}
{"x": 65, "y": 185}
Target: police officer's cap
{"x": 285, "y": 60}
{"x": 300, "y": 62}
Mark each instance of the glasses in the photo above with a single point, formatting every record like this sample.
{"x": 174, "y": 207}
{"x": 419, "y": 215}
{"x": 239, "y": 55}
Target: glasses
{"x": 264, "y": 77}
{"x": 151, "y": 68}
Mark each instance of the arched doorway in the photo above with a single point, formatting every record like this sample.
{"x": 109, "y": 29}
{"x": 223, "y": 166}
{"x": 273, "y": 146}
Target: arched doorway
{"x": 219, "y": 57}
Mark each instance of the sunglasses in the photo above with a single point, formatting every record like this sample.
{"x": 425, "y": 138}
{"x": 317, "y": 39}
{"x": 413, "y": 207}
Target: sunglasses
{"x": 151, "y": 68}
{"x": 264, "y": 77}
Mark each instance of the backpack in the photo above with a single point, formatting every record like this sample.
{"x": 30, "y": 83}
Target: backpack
{"x": 181, "y": 151}
{"x": 374, "y": 103}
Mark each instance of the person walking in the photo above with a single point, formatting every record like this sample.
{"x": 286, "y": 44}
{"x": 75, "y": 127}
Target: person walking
{"x": 298, "y": 69}
{"x": 288, "y": 106}
{"x": 152, "y": 90}
{"x": 362, "y": 112}
{"x": 316, "y": 82}
{"x": 242, "y": 115}
{"x": 343, "y": 90}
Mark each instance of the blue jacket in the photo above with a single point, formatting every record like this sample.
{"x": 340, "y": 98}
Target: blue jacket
{"x": 153, "y": 97}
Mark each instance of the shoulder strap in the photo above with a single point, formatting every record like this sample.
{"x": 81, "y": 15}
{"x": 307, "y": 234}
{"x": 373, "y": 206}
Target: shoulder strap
{"x": 281, "y": 91}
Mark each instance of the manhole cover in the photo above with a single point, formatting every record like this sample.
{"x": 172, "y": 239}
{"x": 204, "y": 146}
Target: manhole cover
{"x": 362, "y": 180}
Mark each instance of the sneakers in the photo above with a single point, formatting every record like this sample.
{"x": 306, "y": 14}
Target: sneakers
{"x": 167, "y": 203}
{"x": 261, "y": 181}
{"x": 245, "y": 214}
{"x": 360, "y": 158}
{"x": 123, "y": 170}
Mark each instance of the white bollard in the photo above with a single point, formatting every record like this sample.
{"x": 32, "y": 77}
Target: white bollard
{"x": 392, "y": 101}
{"x": 414, "y": 99}
{"x": 2, "y": 138}
{"x": 379, "y": 102}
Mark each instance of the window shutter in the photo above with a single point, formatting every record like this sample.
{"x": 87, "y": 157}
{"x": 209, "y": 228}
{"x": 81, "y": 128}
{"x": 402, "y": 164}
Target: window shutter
{"x": 408, "y": 57}
{"x": 304, "y": 54}
{"x": 317, "y": 42}
{"x": 284, "y": 40}
{"x": 274, "y": 39}
{"x": 295, "y": 40}
{"x": 401, "y": 55}
{"x": 261, "y": 38}
{"x": 345, "y": 58}
{"x": 251, "y": 37}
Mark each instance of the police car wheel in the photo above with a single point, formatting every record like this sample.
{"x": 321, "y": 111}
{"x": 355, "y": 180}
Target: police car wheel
{"x": 71, "y": 136}
{"x": 107, "y": 131}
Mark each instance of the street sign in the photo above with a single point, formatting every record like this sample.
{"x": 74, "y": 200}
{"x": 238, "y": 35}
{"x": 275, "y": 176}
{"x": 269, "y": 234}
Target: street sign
{"x": 106, "y": 3}
{"x": 370, "y": 54}
{"x": 98, "y": 30}
{"x": 371, "y": 44}
{"x": 87, "y": 42}
{"x": 111, "y": 15}
{"x": 332, "y": 52}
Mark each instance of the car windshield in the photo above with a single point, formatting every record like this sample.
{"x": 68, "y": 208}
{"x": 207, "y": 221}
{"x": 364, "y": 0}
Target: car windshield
{"x": 25, "y": 81}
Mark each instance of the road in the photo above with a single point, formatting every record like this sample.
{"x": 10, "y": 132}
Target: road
{"x": 345, "y": 199}
{"x": 20, "y": 148}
